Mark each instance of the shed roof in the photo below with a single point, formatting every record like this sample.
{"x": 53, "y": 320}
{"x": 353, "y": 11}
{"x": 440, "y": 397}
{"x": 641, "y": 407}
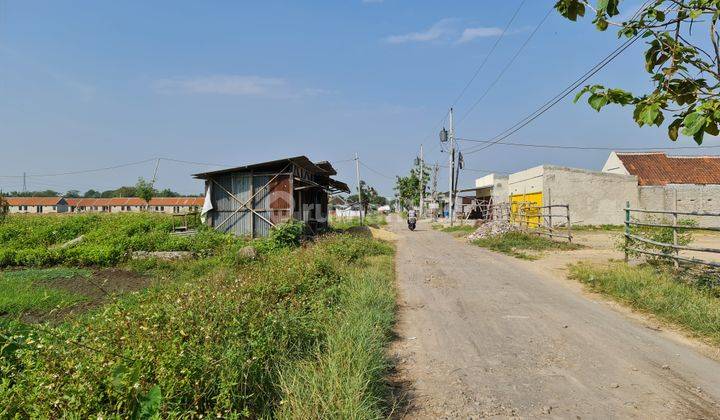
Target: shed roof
{"x": 657, "y": 168}
{"x": 322, "y": 167}
{"x": 34, "y": 201}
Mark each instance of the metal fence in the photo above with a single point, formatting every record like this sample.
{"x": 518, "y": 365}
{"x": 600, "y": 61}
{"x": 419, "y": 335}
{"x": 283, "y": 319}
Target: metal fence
{"x": 671, "y": 250}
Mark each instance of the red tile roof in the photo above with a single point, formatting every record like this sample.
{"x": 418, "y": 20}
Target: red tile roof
{"x": 33, "y": 201}
{"x": 177, "y": 201}
{"x": 657, "y": 168}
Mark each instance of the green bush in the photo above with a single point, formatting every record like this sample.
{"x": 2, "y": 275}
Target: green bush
{"x": 287, "y": 234}
{"x": 108, "y": 239}
{"x": 658, "y": 234}
{"x": 210, "y": 345}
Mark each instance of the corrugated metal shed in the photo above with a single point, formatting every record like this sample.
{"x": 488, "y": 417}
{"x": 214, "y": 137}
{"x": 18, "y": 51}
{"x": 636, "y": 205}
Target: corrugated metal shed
{"x": 249, "y": 200}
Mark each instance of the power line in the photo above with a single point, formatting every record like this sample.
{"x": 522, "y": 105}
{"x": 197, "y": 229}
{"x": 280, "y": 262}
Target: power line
{"x": 489, "y": 54}
{"x": 558, "y": 146}
{"x": 375, "y": 171}
{"x": 81, "y": 171}
{"x": 507, "y": 66}
{"x": 481, "y": 66}
{"x": 564, "y": 93}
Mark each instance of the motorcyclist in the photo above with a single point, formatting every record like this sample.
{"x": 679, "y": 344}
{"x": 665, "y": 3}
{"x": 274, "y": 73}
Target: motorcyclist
{"x": 411, "y": 219}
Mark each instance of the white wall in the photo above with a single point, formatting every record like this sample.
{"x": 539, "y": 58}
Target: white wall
{"x": 493, "y": 185}
{"x": 526, "y": 182}
{"x": 614, "y": 165}
{"x": 595, "y": 198}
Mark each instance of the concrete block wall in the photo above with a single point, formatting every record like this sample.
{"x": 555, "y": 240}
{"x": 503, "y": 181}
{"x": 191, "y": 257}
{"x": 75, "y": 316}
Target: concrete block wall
{"x": 595, "y": 198}
{"x": 690, "y": 198}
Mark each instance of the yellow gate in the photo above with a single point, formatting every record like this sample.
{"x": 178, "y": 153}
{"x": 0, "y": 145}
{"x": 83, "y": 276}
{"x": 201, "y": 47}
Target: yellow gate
{"x": 525, "y": 209}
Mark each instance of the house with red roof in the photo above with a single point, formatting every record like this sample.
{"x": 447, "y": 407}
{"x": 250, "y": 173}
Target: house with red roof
{"x": 683, "y": 183}
{"x": 36, "y": 205}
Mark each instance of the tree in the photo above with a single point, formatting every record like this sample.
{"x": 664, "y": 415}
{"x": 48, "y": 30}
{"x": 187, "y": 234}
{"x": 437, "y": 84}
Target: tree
{"x": 682, "y": 57}
{"x": 46, "y": 193}
{"x": 3, "y": 209}
{"x": 92, "y": 194}
{"x": 72, "y": 194}
{"x": 408, "y": 188}
{"x": 144, "y": 189}
{"x": 370, "y": 196}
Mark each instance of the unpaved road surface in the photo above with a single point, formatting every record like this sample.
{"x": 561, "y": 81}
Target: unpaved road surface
{"x": 486, "y": 335}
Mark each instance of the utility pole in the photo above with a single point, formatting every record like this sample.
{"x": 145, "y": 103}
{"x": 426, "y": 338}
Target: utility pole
{"x": 157, "y": 165}
{"x": 24, "y": 182}
{"x": 436, "y": 171}
{"x": 422, "y": 182}
{"x": 357, "y": 174}
{"x": 451, "y": 192}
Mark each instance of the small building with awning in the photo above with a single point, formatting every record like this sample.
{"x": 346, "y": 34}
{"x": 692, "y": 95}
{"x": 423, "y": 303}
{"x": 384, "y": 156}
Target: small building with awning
{"x": 249, "y": 200}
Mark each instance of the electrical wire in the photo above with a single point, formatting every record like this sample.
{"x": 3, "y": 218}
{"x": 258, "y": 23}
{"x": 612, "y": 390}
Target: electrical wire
{"x": 610, "y": 148}
{"x": 479, "y": 68}
{"x": 90, "y": 170}
{"x": 507, "y": 67}
{"x": 490, "y": 53}
{"x": 375, "y": 171}
{"x": 564, "y": 93}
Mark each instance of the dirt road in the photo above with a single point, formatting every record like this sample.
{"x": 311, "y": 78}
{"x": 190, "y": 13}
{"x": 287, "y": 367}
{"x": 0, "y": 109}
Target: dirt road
{"x": 486, "y": 335}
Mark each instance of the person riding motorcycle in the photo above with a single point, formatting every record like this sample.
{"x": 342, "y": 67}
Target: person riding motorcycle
{"x": 411, "y": 219}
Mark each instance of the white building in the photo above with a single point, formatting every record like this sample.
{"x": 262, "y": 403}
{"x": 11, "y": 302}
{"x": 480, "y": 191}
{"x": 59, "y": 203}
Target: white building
{"x": 36, "y": 205}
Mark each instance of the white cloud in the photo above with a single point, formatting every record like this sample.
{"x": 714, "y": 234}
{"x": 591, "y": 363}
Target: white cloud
{"x": 441, "y": 29}
{"x": 238, "y": 85}
{"x": 470, "y": 34}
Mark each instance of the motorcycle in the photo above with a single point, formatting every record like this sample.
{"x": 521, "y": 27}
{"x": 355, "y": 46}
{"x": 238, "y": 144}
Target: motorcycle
{"x": 411, "y": 221}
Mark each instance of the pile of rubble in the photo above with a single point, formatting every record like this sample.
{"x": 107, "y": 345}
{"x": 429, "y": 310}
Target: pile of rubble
{"x": 492, "y": 228}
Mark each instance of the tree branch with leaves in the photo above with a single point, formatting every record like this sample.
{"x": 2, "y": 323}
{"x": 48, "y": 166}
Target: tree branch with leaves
{"x": 682, "y": 58}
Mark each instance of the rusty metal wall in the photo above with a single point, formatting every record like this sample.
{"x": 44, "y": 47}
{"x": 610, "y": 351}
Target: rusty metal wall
{"x": 272, "y": 202}
{"x": 240, "y": 223}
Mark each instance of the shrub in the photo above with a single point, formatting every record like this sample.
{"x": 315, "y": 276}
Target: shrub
{"x": 108, "y": 239}
{"x": 658, "y": 234}
{"x": 214, "y": 347}
{"x": 287, "y": 234}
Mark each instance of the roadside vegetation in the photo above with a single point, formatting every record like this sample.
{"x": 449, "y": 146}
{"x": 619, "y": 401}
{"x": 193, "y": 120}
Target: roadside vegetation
{"x": 107, "y": 240}
{"x": 458, "y": 230}
{"x": 27, "y": 290}
{"x": 290, "y": 332}
{"x": 517, "y": 243}
{"x": 691, "y": 305}
{"x": 371, "y": 219}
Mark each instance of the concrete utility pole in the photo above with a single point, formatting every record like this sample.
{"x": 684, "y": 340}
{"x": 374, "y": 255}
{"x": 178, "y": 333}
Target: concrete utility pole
{"x": 451, "y": 192}
{"x": 422, "y": 182}
{"x": 24, "y": 183}
{"x": 357, "y": 174}
{"x": 157, "y": 165}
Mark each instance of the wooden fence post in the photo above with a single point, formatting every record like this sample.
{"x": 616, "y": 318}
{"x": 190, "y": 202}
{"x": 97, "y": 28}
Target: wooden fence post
{"x": 627, "y": 229}
{"x": 569, "y": 229}
{"x": 675, "y": 238}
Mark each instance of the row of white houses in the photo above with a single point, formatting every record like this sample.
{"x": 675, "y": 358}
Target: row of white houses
{"x": 44, "y": 205}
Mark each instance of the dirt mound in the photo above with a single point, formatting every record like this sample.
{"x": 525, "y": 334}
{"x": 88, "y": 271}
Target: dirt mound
{"x": 492, "y": 228}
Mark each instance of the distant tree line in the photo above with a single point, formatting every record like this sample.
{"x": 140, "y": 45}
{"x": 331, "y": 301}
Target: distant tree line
{"x": 142, "y": 189}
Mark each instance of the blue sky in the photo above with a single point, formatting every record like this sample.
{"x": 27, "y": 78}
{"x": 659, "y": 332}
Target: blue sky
{"x": 88, "y": 84}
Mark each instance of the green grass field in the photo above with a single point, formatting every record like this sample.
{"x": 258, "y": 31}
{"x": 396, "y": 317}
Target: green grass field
{"x": 25, "y": 290}
{"x": 297, "y": 332}
{"x": 657, "y": 292}
{"x": 371, "y": 219}
{"x": 516, "y": 243}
